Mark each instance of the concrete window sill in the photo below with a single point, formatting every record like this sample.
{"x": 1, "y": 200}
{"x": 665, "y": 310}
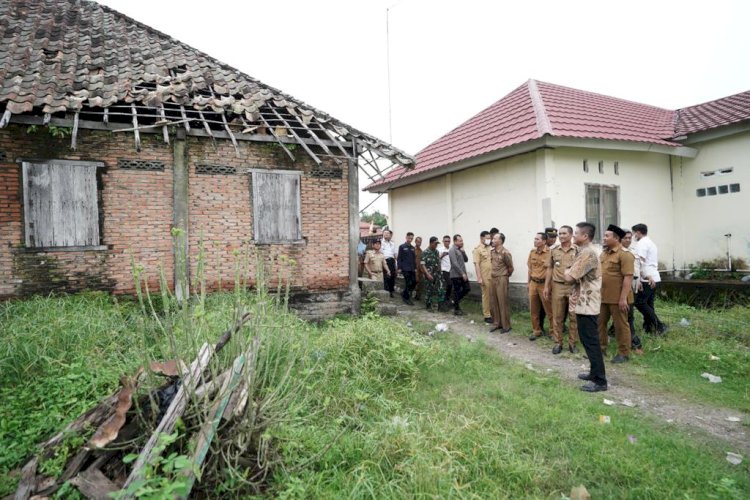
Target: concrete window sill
{"x": 91, "y": 248}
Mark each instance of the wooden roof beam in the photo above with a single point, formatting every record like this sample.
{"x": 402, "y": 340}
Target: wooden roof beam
{"x": 136, "y": 133}
{"x": 270, "y": 131}
{"x": 297, "y": 137}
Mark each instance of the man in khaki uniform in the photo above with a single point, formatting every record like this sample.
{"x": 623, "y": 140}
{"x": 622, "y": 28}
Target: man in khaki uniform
{"x": 538, "y": 262}
{"x": 502, "y": 269}
{"x": 483, "y": 268}
{"x": 375, "y": 264}
{"x": 558, "y": 291}
{"x": 617, "y": 294}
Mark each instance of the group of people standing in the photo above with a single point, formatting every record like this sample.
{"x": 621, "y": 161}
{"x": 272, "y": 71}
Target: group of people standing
{"x": 568, "y": 280}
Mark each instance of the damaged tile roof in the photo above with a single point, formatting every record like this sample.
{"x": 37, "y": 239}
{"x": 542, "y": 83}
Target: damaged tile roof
{"x": 538, "y": 109}
{"x": 73, "y": 55}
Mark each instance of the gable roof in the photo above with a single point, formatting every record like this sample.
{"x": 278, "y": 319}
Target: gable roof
{"x": 539, "y": 109}
{"x": 713, "y": 114}
{"x": 76, "y": 56}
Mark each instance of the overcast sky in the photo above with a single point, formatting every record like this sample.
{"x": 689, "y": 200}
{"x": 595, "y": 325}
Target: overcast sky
{"x": 451, "y": 59}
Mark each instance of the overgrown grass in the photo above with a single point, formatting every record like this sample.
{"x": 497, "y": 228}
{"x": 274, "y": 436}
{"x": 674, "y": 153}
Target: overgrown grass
{"x": 674, "y": 363}
{"x": 381, "y": 411}
{"x": 475, "y": 426}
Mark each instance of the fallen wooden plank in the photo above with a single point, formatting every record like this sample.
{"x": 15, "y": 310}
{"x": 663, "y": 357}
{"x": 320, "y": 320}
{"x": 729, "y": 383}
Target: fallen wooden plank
{"x": 175, "y": 410}
{"x": 92, "y": 483}
{"x": 208, "y": 430}
{"x": 28, "y": 480}
{"x": 238, "y": 401}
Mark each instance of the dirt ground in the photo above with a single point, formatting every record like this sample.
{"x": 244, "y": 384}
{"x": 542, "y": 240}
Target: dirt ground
{"x": 697, "y": 419}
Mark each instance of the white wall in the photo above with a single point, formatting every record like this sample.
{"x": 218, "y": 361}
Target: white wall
{"x": 703, "y": 221}
{"x": 645, "y": 191}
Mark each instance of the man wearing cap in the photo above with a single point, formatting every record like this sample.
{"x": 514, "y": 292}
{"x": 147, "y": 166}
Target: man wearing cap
{"x": 617, "y": 295}
{"x": 558, "y": 290}
{"x": 483, "y": 269}
{"x": 537, "y": 263}
{"x": 375, "y": 262}
{"x": 586, "y": 273}
{"x": 430, "y": 263}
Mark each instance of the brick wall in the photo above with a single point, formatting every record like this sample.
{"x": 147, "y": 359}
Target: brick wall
{"x": 136, "y": 209}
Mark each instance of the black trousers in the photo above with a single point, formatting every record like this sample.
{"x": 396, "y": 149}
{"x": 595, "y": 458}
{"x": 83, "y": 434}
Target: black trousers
{"x": 410, "y": 282}
{"x": 389, "y": 282}
{"x": 644, "y": 302}
{"x": 460, "y": 289}
{"x": 448, "y": 284}
{"x": 588, "y": 333}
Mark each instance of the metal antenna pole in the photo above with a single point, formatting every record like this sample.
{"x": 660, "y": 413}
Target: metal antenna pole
{"x": 388, "y": 64}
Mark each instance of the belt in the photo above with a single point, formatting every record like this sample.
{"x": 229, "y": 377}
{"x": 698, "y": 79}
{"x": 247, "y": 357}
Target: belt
{"x": 537, "y": 280}
{"x": 390, "y": 258}
{"x": 560, "y": 282}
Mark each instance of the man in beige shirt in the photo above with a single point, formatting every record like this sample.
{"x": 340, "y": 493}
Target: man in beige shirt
{"x": 483, "y": 269}
{"x": 586, "y": 274}
{"x": 537, "y": 263}
{"x": 558, "y": 291}
{"x": 617, "y": 292}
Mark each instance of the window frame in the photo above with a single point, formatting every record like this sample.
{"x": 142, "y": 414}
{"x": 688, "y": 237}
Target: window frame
{"x": 601, "y": 215}
{"x": 26, "y": 164}
{"x": 254, "y": 193}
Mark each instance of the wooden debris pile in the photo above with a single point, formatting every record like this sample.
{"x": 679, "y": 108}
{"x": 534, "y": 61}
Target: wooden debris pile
{"x": 97, "y": 469}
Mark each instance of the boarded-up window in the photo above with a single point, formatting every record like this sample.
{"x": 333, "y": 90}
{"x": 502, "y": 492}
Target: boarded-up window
{"x": 602, "y": 206}
{"x": 60, "y": 204}
{"x": 276, "y": 206}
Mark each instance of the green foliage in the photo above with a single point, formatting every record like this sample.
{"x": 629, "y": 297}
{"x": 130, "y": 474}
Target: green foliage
{"x": 52, "y": 130}
{"x": 163, "y": 477}
{"x": 706, "y": 269}
{"x": 376, "y": 217}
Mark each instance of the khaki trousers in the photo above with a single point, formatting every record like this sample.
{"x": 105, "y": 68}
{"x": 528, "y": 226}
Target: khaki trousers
{"x": 622, "y": 329}
{"x": 560, "y": 303}
{"x": 486, "y": 285}
{"x": 499, "y": 302}
{"x": 536, "y": 303}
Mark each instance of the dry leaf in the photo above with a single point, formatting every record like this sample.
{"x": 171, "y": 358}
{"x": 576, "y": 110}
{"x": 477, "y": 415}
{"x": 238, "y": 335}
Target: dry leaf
{"x": 168, "y": 368}
{"x": 108, "y": 431}
{"x": 579, "y": 493}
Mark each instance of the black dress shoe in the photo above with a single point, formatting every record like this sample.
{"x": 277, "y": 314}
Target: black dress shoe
{"x": 506, "y": 330}
{"x": 557, "y": 349}
{"x": 593, "y": 387}
{"x": 488, "y": 321}
{"x": 408, "y": 302}
{"x": 458, "y": 312}
{"x": 620, "y": 359}
{"x": 534, "y": 337}
{"x": 573, "y": 349}
{"x": 584, "y": 376}
{"x": 494, "y": 328}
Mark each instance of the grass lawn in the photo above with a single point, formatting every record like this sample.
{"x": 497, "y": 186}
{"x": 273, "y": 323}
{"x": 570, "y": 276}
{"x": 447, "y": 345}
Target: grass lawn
{"x": 674, "y": 363}
{"x": 384, "y": 412}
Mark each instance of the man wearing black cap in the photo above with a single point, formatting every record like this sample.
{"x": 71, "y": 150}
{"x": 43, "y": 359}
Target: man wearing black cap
{"x": 617, "y": 295}
{"x": 551, "y": 243}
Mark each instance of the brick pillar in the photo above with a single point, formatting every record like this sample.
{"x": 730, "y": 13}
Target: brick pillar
{"x": 180, "y": 216}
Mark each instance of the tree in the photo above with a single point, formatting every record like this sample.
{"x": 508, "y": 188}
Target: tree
{"x": 375, "y": 217}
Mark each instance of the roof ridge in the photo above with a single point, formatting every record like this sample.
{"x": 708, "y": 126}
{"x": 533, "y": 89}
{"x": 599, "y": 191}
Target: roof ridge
{"x": 543, "y": 124}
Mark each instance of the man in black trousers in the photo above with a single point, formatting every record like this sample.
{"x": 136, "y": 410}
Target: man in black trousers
{"x": 406, "y": 262}
{"x": 586, "y": 273}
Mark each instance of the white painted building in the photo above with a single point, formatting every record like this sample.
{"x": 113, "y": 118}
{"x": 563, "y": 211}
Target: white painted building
{"x": 549, "y": 155}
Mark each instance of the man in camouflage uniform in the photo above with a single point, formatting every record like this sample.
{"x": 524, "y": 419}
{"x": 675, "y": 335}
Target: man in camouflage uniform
{"x": 434, "y": 288}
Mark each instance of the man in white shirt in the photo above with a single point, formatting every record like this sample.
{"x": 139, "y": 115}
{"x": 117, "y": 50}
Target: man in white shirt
{"x": 390, "y": 250}
{"x": 649, "y": 280}
{"x": 445, "y": 269}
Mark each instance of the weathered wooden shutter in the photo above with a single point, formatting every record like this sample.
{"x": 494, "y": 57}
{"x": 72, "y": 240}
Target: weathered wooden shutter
{"x": 276, "y": 206}
{"x": 60, "y": 204}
